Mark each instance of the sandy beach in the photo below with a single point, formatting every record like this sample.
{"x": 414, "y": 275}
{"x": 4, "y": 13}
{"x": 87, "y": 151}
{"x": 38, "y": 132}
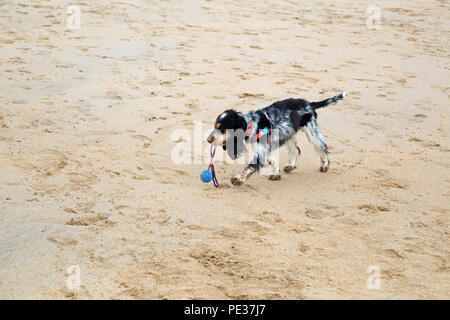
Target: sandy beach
{"x": 89, "y": 113}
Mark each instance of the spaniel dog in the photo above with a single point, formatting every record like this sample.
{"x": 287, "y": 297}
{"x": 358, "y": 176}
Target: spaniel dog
{"x": 267, "y": 129}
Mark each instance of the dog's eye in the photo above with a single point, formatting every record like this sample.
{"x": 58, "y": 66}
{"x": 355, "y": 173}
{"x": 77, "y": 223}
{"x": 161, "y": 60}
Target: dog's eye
{"x": 222, "y": 130}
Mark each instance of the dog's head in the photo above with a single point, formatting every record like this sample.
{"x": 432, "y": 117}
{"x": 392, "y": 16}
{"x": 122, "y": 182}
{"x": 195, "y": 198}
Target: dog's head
{"x": 229, "y": 132}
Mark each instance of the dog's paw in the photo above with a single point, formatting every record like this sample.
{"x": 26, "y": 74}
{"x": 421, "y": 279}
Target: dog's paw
{"x": 289, "y": 168}
{"x": 323, "y": 168}
{"x": 274, "y": 177}
{"x": 236, "y": 181}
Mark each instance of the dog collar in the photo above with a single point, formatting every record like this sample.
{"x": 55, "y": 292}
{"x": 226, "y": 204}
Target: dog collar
{"x": 262, "y": 132}
{"x": 249, "y": 129}
{"x": 249, "y": 121}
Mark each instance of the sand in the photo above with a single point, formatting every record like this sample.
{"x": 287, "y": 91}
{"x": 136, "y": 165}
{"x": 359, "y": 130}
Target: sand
{"x": 87, "y": 118}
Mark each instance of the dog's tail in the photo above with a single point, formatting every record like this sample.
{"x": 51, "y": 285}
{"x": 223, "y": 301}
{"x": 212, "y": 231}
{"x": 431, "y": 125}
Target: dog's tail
{"x": 324, "y": 103}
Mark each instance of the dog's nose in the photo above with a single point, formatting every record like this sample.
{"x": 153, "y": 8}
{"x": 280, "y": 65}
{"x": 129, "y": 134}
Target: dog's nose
{"x": 210, "y": 139}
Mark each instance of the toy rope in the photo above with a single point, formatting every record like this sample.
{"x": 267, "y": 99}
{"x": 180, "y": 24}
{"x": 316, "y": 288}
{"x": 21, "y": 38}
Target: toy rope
{"x": 212, "y": 152}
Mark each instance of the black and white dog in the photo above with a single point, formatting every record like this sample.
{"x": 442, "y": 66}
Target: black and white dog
{"x": 270, "y": 128}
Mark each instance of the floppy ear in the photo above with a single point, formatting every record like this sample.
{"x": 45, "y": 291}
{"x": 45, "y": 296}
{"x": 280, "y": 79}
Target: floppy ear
{"x": 241, "y": 123}
{"x": 235, "y": 143}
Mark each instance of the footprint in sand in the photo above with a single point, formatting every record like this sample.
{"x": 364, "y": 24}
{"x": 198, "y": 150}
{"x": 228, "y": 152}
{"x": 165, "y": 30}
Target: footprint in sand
{"x": 414, "y": 139}
{"x": 251, "y": 95}
{"x": 232, "y": 234}
{"x": 373, "y": 208}
{"x": 271, "y": 218}
{"x": 147, "y": 141}
{"x": 392, "y": 273}
{"x": 193, "y": 106}
{"x": 392, "y": 253}
{"x": 166, "y": 83}
{"x": 419, "y": 117}
{"x": 63, "y": 241}
{"x": 179, "y": 172}
{"x": 160, "y": 219}
{"x": 257, "y": 227}
{"x": 392, "y": 184}
{"x": 432, "y": 145}
{"x": 315, "y": 213}
{"x": 90, "y": 220}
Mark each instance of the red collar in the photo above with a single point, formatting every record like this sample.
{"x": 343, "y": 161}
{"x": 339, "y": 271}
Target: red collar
{"x": 249, "y": 129}
{"x": 261, "y": 132}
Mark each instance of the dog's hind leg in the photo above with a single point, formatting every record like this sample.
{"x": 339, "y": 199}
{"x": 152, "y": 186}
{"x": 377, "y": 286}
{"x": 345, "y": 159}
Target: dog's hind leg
{"x": 294, "y": 152}
{"x": 316, "y": 138}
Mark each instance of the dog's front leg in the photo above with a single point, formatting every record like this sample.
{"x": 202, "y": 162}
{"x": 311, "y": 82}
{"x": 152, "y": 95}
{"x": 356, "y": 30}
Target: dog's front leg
{"x": 240, "y": 179}
{"x": 257, "y": 161}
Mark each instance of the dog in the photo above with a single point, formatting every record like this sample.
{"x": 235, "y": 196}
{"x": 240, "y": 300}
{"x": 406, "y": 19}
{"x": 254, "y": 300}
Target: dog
{"x": 267, "y": 129}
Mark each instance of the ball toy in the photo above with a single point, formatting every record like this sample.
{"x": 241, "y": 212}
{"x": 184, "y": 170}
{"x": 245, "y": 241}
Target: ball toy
{"x": 206, "y": 176}
{"x": 210, "y": 174}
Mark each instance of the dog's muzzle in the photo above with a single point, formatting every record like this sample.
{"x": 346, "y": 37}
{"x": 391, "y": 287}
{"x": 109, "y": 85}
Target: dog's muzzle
{"x": 215, "y": 138}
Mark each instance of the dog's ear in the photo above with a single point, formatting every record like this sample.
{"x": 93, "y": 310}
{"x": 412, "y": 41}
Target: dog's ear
{"x": 235, "y": 143}
{"x": 240, "y": 123}
{"x": 236, "y": 126}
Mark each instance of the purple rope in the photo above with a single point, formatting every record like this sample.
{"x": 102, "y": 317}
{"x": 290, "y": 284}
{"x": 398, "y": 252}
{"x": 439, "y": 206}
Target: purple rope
{"x": 212, "y": 152}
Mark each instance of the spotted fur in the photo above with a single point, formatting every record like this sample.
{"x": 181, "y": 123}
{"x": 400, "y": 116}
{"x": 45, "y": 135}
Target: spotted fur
{"x": 286, "y": 118}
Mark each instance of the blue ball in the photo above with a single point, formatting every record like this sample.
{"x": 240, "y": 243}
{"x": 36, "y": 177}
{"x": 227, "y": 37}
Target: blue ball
{"x": 206, "y": 176}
